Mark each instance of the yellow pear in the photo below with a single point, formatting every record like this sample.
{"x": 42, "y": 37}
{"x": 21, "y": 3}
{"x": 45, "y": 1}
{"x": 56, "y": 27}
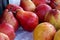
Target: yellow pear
{"x": 44, "y": 31}
{"x": 57, "y": 35}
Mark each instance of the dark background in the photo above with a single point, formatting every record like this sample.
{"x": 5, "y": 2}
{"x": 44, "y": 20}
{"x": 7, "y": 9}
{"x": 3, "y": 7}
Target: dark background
{"x": 3, "y": 3}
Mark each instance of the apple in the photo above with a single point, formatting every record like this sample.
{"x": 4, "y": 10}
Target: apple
{"x": 44, "y": 31}
{"x": 38, "y": 2}
{"x": 8, "y": 17}
{"x": 42, "y": 10}
{"x": 53, "y": 17}
{"x": 4, "y": 36}
{"x": 8, "y": 30}
{"x": 57, "y": 35}
{"x": 27, "y": 5}
{"x": 28, "y": 20}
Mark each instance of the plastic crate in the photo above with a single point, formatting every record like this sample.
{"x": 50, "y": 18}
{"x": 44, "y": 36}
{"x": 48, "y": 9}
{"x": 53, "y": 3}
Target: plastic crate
{"x": 23, "y": 35}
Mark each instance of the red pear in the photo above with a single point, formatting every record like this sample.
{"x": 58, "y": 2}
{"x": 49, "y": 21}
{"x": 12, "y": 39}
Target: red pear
{"x": 58, "y": 7}
{"x": 9, "y": 18}
{"x": 4, "y": 36}
{"x": 28, "y": 20}
{"x": 38, "y": 2}
{"x": 8, "y": 30}
{"x": 52, "y": 4}
{"x": 27, "y": 5}
{"x": 42, "y": 10}
{"x": 12, "y": 7}
{"x": 55, "y": 4}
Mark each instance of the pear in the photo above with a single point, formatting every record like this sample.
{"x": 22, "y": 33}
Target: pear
{"x": 57, "y": 35}
{"x": 44, "y": 31}
{"x": 28, "y": 20}
{"x": 8, "y": 17}
{"x": 27, "y": 5}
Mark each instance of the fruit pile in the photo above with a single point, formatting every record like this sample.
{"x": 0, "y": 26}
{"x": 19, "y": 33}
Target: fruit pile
{"x": 42, "y": 17}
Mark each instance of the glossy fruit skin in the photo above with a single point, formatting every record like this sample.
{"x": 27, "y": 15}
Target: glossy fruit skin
{"x": 12, "y": 7}
{"x": 52, "y": 4}
{"x": 1, "y": 38}
{"x": 57, "y": 35}
{"x": 55, "y": 4}
{"x": 28, "y": 20}
{"x": 8, "y": 17}
{"x": 27, "y": 5}
{"x": 8, "y": 30}
{"x": 42, "y": 10}
{"x": 44, "y": 31}
{"x": 53, "y": 17}
{"x": 4, "y": 36}
{"x": 58, "y": 7}
{"x": 39, "y": 2}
